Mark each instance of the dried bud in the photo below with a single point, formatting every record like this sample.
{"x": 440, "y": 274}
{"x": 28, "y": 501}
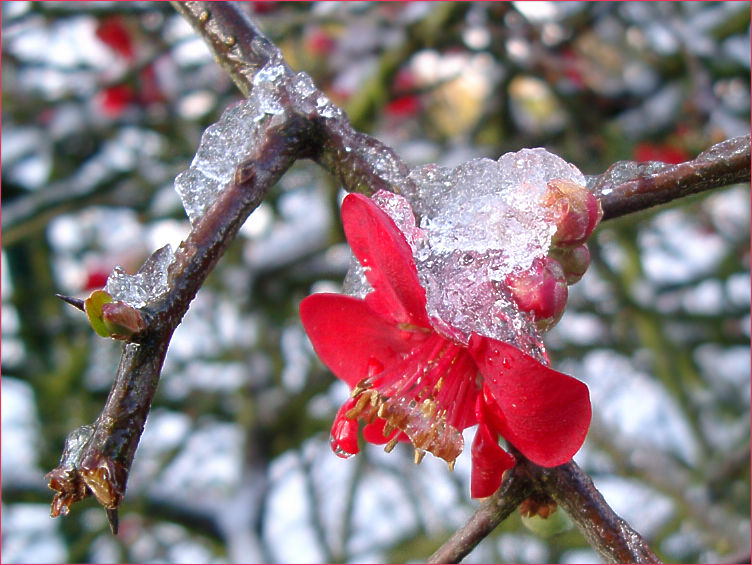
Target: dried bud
{"x": 117, "y": 320}
{"x": 574, "y": 261}
{"x": 576, "y": 212}
{"x": 105, "y": 477}
{"x": 541, "y": 290}
{"x": 540, "y": 516}
{"x": 538, "y": 504}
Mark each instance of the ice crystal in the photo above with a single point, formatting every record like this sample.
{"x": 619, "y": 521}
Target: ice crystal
{"x": 147, "y": 285}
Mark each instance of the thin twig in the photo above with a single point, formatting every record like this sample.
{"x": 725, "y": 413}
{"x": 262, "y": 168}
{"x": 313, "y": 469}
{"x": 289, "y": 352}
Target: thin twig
{"x": 492, "y": 511}
{"x": 628, "y": 187}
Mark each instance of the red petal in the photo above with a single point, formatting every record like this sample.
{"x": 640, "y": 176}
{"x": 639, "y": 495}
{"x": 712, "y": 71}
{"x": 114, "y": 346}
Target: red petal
{"x": 489, "y": 463}
{"x": 350, "y": 338}
{"x": 374, "y": 433}
{"x": 546, "y": 413}
{"x": 381, "y": 248}
{"x": 344, "y": 440}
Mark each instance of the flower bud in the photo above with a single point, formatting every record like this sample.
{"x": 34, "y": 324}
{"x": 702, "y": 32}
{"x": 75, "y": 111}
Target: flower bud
{"x": 122, "y": 320}
{"x": 541, "y": 290}
{"x": 576, "y": 211}
{"x": 117, "y": 320}
{"x": 574, "y": 261}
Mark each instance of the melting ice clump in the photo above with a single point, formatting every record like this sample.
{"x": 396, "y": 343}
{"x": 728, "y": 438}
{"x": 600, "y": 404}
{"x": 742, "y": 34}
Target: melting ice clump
{"x": 478, "y": 224}
{"x": 228, "y": 143}
{"x": 147, "y": 285}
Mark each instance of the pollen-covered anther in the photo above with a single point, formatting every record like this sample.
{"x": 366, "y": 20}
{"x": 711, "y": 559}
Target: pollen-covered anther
{"x": 361, "y": 387}
{"x": 363, "y": 400}
{"x": 376, "y": 398}
{"x": 428, "y": 408}
{"x": 388, "y": 428}
{"x": 451, "y": 463}
{"x": 418, "y": 456}
{"x": 390, "y": 445}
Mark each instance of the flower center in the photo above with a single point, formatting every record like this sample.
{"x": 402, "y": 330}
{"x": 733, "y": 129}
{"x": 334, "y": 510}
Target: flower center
{"x": 427, "y": 396}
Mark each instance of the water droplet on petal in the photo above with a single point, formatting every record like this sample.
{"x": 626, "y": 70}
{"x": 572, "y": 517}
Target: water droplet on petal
{"x": 338, "y": 451}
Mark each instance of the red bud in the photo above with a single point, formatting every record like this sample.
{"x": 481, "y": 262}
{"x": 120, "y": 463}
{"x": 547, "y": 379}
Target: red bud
{"x": 122, "y": 320}
{"x": 574, "y": 261}
{"x": 541, "y": 290}
{"x": 575, "y": 209}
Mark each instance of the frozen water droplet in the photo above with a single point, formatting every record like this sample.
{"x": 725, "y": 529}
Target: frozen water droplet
{"x": 197, "y": 192}
{"x": 147, "y": 285}
{"x": 338, "y": 451}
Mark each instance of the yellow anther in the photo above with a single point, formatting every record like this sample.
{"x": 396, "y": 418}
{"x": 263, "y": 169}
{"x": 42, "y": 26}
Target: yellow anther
{"x": 389, "y": 446}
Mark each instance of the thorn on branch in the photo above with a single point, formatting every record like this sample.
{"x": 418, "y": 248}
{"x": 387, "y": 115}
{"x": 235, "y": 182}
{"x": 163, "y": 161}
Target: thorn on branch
{"x": 77, "y": 302}
{"x": 112, "y": 518}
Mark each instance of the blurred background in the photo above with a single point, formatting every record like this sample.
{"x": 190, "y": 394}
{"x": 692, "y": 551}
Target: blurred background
{"x": 103, "y": 104}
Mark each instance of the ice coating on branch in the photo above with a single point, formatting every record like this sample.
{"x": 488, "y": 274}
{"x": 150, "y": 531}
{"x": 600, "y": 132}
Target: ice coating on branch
{"x": 147, "y": 285}
{"x": 478, "y": 225}
{"x": 228, "y": 143}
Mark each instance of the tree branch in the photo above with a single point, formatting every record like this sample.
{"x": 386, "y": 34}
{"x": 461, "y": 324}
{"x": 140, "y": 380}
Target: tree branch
{"x": 607, "y": 533}
{"x": 516, "y": 487}
{"x": 574, "y": 492}
{"x": 359, "y": 162}
{"x": 97, "y": 458}
{"x": 237, "y": 44}
{"x": 628, "y": 187}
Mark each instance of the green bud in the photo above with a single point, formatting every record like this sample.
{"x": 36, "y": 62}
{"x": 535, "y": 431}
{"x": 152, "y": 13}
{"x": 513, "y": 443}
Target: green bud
{"x": 117, "y": 320}
{"x": 557, "y": 523}
{"x": 93, "y": 308}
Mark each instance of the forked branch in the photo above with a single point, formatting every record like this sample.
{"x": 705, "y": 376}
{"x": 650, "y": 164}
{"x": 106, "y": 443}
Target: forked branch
{"x": 97, "y": 458}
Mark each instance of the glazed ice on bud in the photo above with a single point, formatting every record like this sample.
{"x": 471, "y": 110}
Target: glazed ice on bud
{"x": 576, "y": 211}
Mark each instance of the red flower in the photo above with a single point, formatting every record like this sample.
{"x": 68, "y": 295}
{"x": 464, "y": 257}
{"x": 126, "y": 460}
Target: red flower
{"x": 114, "y": 100}
{"x": 665, "y": 153}
{"x": 113, "y": 33}
{"x": 411, "y": 382}
{"x": 404, "y": 106}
